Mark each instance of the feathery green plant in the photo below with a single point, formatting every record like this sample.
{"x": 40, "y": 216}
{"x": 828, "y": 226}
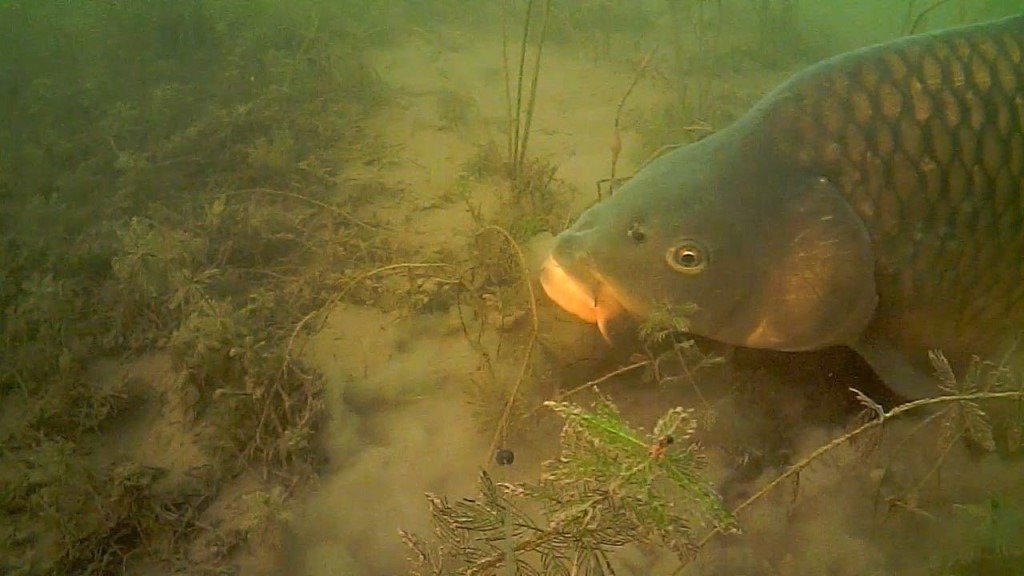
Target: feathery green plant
{"x": 612, "y": 485}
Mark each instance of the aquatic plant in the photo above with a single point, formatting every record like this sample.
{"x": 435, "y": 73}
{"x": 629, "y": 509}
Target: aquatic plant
{"x": 1000, "y": 522}
{"x": 519, "y": 110}
{"x": 456, "y": 109}
{"x": 607, "y": 488}
{"x": 959, "y": 416}
{"x": 177, "y": 204}
{"x": 616, "y": 147}
{"x": 611, "y": 486}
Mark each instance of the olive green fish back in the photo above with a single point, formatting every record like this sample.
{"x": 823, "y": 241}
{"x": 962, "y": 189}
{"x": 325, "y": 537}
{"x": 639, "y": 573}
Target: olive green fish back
{"x": 925, "y": 138}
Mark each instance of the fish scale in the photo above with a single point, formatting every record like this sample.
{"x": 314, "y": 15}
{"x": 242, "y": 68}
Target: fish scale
{"x": 926, "y": 139}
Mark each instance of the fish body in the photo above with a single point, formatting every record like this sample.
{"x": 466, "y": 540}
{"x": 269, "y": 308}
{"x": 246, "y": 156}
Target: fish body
{"x": 874, "y": 200}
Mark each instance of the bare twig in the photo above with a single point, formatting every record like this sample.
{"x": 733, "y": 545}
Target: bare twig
{"x": 906, "y": 438}
{"x": 618, "y": 372}
{"x": 699, "y": 127}
{"x": 508, "y": 82}
{"x": 941, "y": 459}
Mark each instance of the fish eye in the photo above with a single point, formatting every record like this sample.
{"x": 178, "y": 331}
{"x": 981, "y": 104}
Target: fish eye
{"x": 689, "y": 257}
{"x": 636, "y": 233}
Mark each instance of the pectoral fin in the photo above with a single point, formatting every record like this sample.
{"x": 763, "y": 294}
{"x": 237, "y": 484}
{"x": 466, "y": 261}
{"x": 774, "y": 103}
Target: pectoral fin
{"x": 896, "y": 370}
{"x": 818, "y": 287}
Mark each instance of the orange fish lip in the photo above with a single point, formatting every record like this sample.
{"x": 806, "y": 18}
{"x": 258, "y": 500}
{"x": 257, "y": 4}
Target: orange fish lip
{"x": 594, "y": 304}
{"x": 572, "y": 295}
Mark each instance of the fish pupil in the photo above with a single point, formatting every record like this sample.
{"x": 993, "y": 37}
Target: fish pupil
{"x": 688, "y": 258}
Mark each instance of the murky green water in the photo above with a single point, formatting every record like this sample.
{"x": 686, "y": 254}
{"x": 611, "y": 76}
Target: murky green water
{"x": 270, "y": 275}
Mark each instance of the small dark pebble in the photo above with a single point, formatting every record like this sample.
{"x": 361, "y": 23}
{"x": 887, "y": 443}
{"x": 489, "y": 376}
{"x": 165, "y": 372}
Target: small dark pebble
{"x": 504, "y": 457}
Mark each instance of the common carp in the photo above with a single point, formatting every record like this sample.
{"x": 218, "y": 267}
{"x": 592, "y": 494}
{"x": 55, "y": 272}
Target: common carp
{"x": 874, "y": 200}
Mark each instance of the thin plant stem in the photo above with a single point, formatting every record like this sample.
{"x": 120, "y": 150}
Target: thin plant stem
{"x": 509, "y": 135}
{"x": 519, "y": 91}
{"x": 617, "y": 136}
{"x": 531, "y": 103}
{"x": 942, "y": 458}
{"x": 924, "y": 13}
{"x": 605, "y": 378}
{"x": 501, "y": 431}
{"x": 903, "y": 442}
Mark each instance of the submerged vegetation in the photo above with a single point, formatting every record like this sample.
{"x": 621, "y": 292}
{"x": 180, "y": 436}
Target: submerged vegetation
{"x": 580, "y": 512}
{"x": 175, "y": 218}
{"x": 168, "y": 173}
{"x": 611, "y": 486}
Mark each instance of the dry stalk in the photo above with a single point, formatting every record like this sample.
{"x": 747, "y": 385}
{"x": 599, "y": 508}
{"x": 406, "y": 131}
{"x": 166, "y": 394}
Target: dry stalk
{"x": 953, "y": 441}
{"x": 906, "y": 438}
{"x": 699, "y": 127}
{"x": 286, "y": 365}
{"x": 519, "y": 88}
{"x": 562, "y": 396}
{"x": 510, "y": 132}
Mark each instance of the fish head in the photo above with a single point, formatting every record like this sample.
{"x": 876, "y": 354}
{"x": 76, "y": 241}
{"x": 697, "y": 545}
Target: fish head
{"x": 752, "y": 255}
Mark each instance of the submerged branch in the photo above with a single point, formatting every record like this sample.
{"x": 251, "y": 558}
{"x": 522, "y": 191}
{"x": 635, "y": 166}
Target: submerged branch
{"x": 837, "y": 442}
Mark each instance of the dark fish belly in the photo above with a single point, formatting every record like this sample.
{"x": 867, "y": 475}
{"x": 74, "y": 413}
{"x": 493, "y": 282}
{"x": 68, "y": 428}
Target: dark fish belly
{"x": 925, "y": 138}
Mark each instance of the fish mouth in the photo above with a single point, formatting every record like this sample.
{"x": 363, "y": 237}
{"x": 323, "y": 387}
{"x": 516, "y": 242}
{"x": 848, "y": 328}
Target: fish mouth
{"x": 592, "y": 301}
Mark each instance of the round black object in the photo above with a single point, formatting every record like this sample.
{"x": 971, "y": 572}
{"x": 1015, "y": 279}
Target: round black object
{"x": 504, "y": 457}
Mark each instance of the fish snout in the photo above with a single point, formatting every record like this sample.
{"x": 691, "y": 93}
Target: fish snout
{"x": 572, "y": 248}
{"x": 567, "y": 274}
{"x": 571, "y": 279}
{"x": 571, "y": 293}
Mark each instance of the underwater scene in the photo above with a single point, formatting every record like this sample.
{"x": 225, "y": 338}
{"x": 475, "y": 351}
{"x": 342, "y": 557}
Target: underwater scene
{"x": 512, "y": 287}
